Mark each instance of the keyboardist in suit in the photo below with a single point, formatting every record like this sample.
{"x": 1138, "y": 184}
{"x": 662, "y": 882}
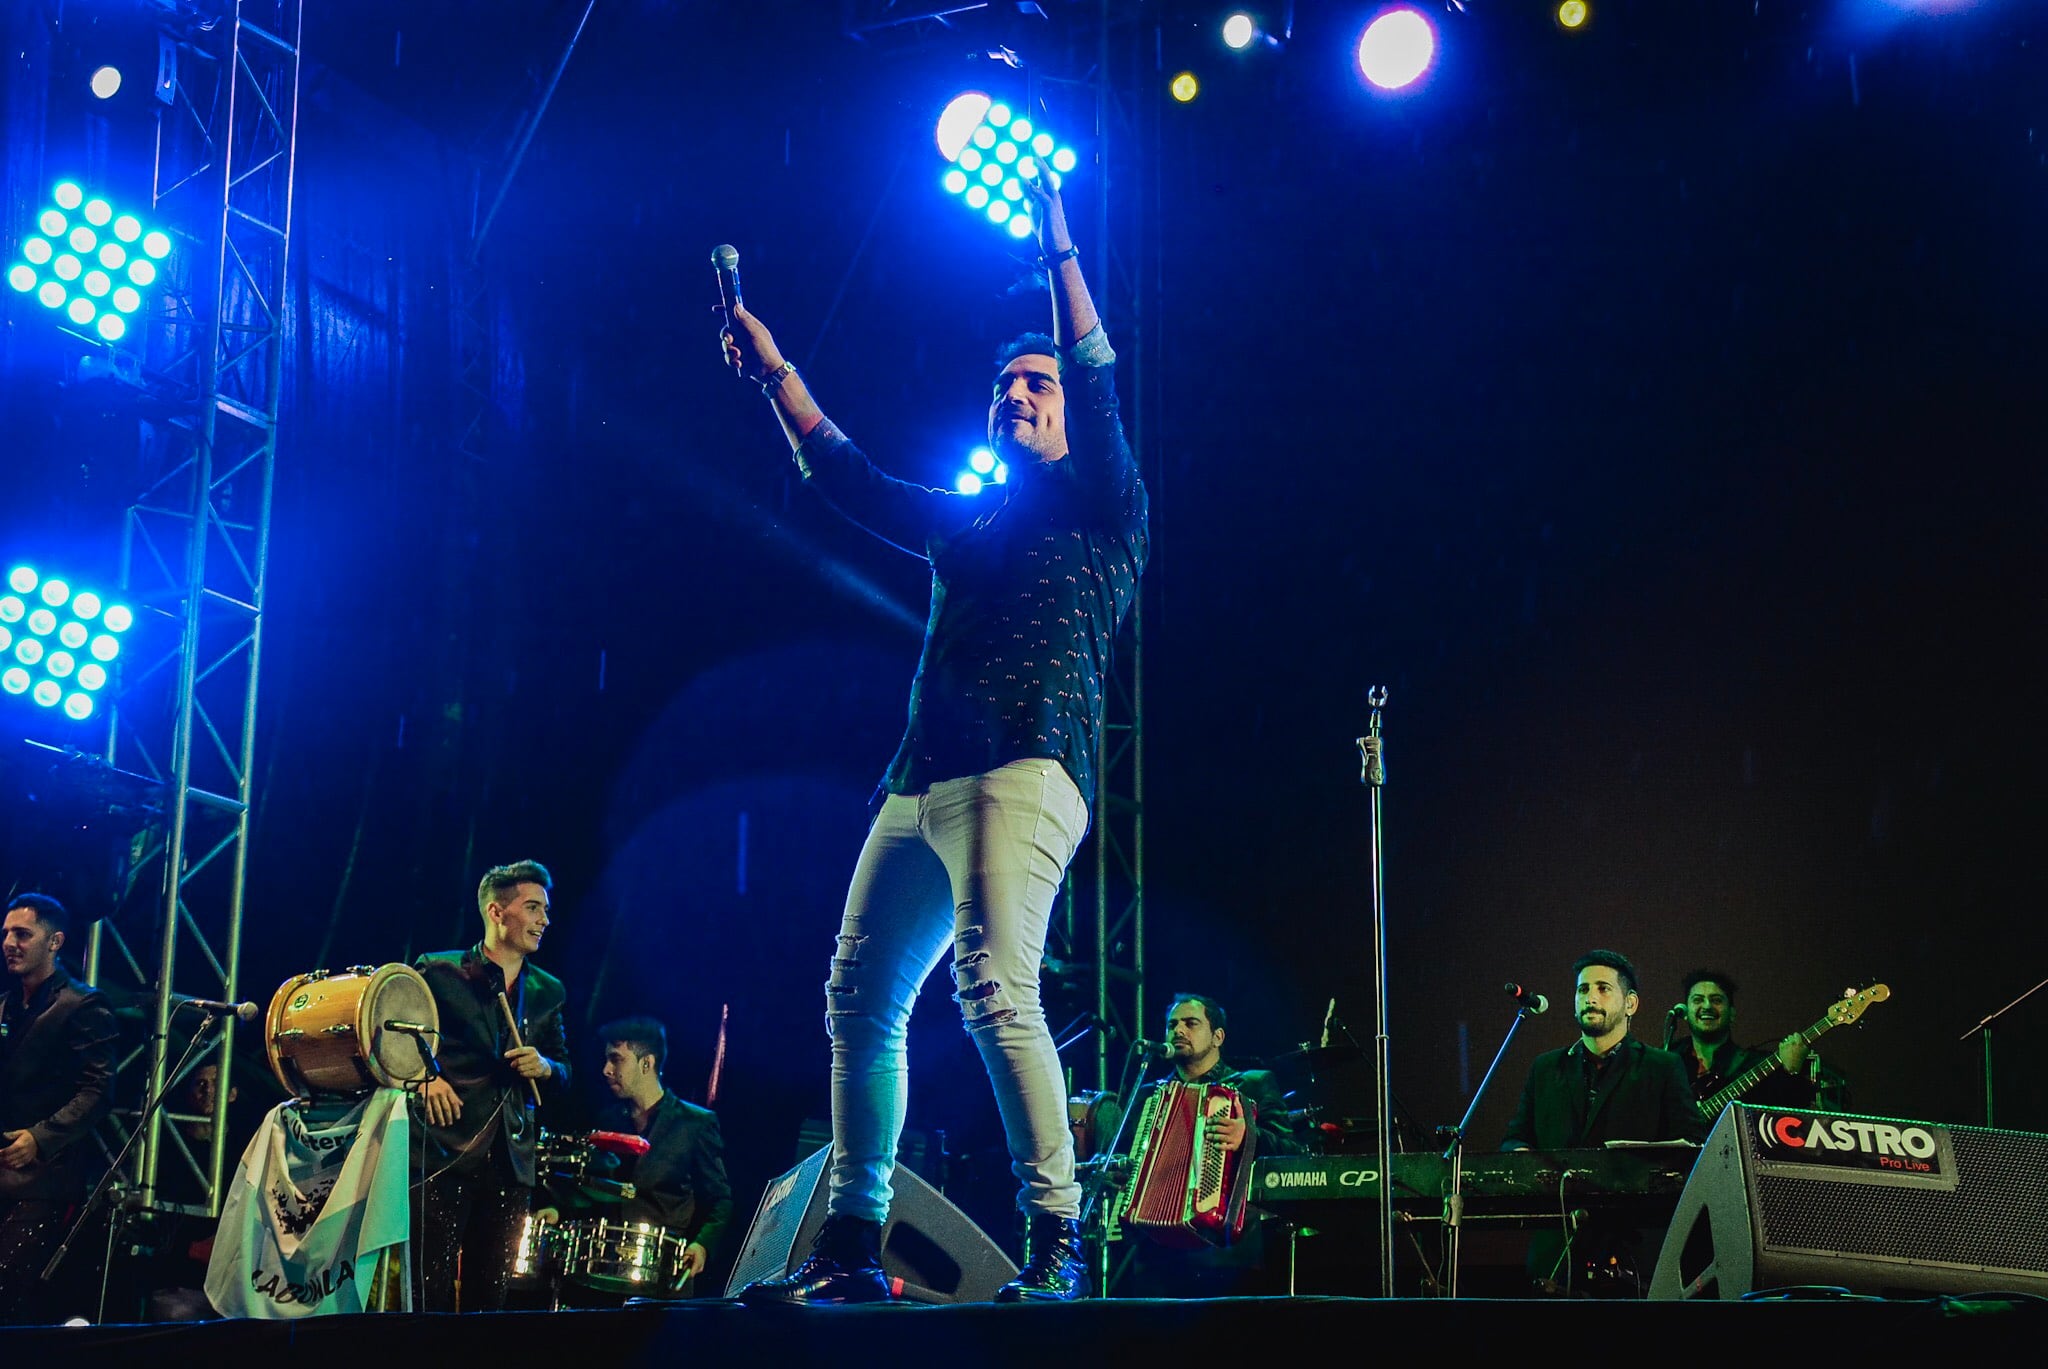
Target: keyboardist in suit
{"x": 1603, "y": 1087}
{"x": 1195, "y": 1030}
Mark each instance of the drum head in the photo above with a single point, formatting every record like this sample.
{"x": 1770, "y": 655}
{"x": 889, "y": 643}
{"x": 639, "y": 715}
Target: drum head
{"x": 400, "y": 993}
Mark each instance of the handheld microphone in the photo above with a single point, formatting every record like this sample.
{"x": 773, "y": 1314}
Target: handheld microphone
{"x": 1530, "y": 1001}
{"x": 725, "y": 262}
{"x": 1158, "y": 1050}
{"x": 246, "y": 1012}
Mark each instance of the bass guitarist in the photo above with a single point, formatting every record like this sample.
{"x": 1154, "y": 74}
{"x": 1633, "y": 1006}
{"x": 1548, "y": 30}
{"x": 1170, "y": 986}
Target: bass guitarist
{"x": 1714, "y": 1058}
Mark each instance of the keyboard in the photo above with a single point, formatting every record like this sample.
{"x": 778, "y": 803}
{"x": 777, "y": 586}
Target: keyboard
{"x": 1626, "y": 1182}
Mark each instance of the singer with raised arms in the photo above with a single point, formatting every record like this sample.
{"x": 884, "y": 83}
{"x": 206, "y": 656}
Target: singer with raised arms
{"x": 502, "y": 1049}
{"x": 988, "y": 796}
{"x": 1603, "y": 1087}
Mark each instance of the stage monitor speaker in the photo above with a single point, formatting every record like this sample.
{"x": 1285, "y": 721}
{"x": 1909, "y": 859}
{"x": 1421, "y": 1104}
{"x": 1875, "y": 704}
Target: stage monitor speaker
{"x": 931, "y": 1250}
{"x": 1787, "y": 1198}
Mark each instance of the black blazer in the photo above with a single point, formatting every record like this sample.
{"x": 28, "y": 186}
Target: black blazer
{"x": 57, "y": 1083}
{"x": 1645, "y": 1094}
{"x": 681, "y": 1182}
{"x": 497, "y": 1107}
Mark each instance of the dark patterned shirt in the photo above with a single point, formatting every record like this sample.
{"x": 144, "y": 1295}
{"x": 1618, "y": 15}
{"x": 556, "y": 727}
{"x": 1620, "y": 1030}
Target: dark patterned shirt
{"x": 1030, "y": 581}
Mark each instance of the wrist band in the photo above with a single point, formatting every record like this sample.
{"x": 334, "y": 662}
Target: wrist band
{"x": 1056, "y": 258}
{"x": 773, "y": 381}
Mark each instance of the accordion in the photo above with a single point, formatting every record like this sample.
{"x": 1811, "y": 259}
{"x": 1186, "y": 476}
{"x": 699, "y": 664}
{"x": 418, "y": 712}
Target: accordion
{"x": 1183, "y": 1189}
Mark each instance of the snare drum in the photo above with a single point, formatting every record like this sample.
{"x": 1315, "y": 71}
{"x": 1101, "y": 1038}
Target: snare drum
{"x": 325, "y": 1031}
{"x": 624, "y": 1257}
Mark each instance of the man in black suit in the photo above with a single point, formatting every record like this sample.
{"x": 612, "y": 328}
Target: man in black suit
{"x": 1196, "y": 1025}
{"x": 479, "y": 1131}
{"x": 57, "y": 1039}
{"x": 680, "y": 1184}
{"x": 1603, "y": 1087}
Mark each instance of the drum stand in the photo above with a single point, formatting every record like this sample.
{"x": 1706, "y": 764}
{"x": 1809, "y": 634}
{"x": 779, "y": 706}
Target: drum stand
{"x": 109, "y": 1178}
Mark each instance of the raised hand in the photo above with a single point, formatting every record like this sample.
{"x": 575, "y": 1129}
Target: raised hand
{"x": 1048, "y": 212}
{"x": 749, "y": 347}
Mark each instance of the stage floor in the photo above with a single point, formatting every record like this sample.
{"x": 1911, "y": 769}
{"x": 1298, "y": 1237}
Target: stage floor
{"x": 976, "y": 1335}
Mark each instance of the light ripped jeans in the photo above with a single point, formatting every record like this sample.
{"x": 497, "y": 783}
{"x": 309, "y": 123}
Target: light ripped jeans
{"x": 970, "y": 868}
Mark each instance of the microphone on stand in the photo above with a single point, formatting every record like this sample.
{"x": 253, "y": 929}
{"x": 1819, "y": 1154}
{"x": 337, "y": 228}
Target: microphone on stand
{"x": 1527, "y": 999}
{"x": 245, "y": 1012}
{"x": 1157, "y": 1050}
{"x": 1671, "y": 1021}
{"x": 420, "y": 1033}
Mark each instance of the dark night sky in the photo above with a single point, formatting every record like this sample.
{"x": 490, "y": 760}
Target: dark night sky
{"x": 1653, "y": 411}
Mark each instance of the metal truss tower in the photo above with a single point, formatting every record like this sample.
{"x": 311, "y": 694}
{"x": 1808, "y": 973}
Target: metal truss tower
{"x": 1104, "y": 916}
{"x": 195, "y": 544}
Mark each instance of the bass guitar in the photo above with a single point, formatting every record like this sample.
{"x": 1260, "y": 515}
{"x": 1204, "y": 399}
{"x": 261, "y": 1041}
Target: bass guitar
{"x": 1840, "y": 1014}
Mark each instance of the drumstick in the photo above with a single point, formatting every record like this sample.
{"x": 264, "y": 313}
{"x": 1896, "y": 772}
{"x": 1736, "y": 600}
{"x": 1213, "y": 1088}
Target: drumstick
{"x": 512, "y": 1025}
{"x": 717, "y": 1060}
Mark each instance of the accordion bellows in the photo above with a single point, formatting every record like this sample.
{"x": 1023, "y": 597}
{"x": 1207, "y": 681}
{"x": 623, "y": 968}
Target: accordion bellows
{"x": 1185, "y": 1190}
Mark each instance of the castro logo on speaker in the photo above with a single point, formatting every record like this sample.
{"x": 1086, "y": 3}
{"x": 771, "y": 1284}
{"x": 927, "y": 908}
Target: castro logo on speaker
{"x": 1851, "y": 1142}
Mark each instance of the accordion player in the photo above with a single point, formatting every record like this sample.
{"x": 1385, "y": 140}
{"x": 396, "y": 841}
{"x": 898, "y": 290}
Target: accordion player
{"x": 1184, "y": 1189}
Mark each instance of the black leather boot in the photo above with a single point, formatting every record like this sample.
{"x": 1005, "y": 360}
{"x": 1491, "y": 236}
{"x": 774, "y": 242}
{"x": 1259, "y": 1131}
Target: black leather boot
{"x": 845, "y": 1265}
{"x": 1056, "y": 1265}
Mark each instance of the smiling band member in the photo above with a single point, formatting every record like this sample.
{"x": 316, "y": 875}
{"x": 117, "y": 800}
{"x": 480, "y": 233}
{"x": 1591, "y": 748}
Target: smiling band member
{"x": 479, "y": 1132}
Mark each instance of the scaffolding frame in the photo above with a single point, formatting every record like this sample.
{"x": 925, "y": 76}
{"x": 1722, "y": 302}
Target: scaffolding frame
{"x": 195, "y": 545}
{"x": 1102, "y": 917}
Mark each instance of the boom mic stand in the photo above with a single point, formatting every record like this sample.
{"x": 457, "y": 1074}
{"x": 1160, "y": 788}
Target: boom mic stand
{"x": 107, "y": 1178}
{"x": 1985, "y": 1027}
{"x": 1454, "y": 1201}
{"x": 1107, "y": 1170}
{"x": 1373, "y": 774}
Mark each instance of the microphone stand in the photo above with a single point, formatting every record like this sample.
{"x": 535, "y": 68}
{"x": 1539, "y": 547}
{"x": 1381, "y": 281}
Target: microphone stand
{"x": 416, "y": 1160}
{"x": 1103, "y": 1167}
{"x": 1454, "y": 1201}
{"x": 107, "y": 1178}
{"x": 1671, "y": 1021}
{"x": 1985, "y": 1027}
{"x": 1373, "y": 774}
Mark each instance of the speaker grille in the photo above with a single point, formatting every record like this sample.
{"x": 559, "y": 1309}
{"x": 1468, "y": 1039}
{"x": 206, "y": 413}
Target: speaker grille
{"x": 778, "y": 1228}
{"x": 1995, "y": 1219}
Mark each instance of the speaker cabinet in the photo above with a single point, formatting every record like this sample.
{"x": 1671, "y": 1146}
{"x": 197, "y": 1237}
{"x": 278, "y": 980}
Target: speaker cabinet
{"x": 931, "y": 1250}
{"x": 1783, "y": 1197}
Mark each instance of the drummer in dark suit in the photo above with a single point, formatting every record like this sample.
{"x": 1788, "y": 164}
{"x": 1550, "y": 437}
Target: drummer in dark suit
{"x": 57, "y": 1039}
{"x": 479, "y": 1131}
{"x": 679, "y": 1184}
{"x": 1604, "y": 1087}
